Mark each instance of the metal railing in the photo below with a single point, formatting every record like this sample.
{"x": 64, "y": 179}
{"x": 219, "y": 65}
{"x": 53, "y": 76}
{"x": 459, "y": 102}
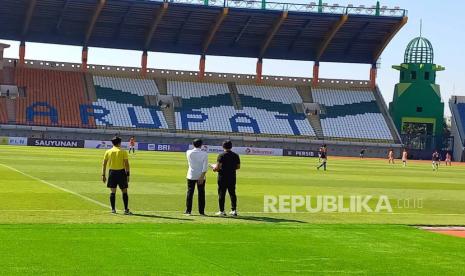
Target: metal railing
{"x": 295, "y": 7}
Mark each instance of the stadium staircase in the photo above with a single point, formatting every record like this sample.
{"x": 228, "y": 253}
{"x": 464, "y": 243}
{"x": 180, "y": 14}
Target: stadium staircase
{"x": 11, "y": 110}
{"x": 169, "y": 111}
{"x": 315, "y": 122}
{"x": 90, "y": 88}
{"x": 8, "y": 76}
{"x": 3, "y": 111}
{"x": 385, "y": 111}
{"x": 235, "y": 96}
{"x": 170, "y": 117}
{"x": 162, "y": 86}
{"x": 305, "y": 93}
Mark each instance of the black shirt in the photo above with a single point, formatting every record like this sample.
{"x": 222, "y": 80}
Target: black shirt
{"x": 436, "y": 157}
{"x": 229, "y": 162}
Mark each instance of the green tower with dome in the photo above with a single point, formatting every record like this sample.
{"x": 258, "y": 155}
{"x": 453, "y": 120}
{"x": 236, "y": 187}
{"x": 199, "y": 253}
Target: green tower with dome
{"x": 417, "y": 108}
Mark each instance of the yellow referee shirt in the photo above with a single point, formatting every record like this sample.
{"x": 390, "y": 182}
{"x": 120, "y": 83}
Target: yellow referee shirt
{"x": 115, "y": 157}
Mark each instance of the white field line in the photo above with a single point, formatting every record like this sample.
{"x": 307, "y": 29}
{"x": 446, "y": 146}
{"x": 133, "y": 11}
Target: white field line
{"x": 57, "y": 187}
{"x": 251, "y": 213}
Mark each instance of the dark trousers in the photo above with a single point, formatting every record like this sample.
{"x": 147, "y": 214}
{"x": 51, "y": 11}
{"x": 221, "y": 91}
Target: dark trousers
{"x": 229, "y": 186}
{"x": 190, "y": 194}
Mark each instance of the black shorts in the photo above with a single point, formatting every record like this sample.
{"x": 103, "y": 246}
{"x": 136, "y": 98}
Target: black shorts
{"x": 227, "y": 181}
{"x": 117, "y": 179}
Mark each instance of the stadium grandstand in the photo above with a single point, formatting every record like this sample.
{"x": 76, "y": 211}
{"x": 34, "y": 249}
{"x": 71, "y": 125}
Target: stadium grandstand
{"x": 457, "y": 108}
{"x": 62, "y": 100}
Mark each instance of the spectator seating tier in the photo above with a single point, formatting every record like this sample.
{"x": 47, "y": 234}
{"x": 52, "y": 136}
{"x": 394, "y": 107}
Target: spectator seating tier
{"x": 53, "y": 98}
{"x": 209, "y": 107}
{"x": 351, "y": 113}
{"x": 3, "y": 111}
{"x": 139, "y": 87}
{"x": 121, "y": 104}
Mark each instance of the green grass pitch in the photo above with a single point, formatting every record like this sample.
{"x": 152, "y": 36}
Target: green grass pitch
{"x": 54, "y": 218}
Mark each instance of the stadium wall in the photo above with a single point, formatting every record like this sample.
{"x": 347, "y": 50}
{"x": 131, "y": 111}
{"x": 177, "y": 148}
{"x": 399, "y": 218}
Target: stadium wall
{"x": 457, "y": 128}
{"x": 288, "y": 146}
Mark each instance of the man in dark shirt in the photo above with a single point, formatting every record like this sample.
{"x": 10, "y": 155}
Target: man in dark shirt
{"x": 436, "y": 159}
{"x": 323, "y": 154}
{"x": 227, "y": 164}
{"x": 362, "y": 153}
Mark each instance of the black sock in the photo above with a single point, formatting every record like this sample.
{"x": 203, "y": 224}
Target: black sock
{"x": 126, "y": 201}
{"x": 112, "y": 201}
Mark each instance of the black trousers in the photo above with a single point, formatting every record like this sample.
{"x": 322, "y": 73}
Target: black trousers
{"x": 190, "y": 195}
{"x": 229, "y": 185}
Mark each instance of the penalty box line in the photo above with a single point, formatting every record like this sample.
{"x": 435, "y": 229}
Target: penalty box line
{"x": 57, "y": 187}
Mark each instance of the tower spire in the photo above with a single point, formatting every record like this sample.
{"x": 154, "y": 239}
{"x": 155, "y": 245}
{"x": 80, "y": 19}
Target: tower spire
{"x": 421, "y": 27}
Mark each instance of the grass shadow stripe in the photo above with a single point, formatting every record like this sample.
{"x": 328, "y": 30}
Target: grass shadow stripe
{"x": 57, "y": 187}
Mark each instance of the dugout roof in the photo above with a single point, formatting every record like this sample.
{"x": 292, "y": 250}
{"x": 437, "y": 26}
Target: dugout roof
{"x": 237, "y": 28}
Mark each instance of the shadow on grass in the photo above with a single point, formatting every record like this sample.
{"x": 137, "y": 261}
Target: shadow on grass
{"x": 262, "y": 219}
{"x": 160, "y": 217}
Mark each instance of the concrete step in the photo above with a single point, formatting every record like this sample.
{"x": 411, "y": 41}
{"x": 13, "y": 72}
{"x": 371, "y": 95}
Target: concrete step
{"x": 11, "y": 110}
{"x": 162, "y": 85}
{"x": 90, "y": 88}
{"x": 235, "y": 96}
{"x": 305, "y": 93}
{"x": 170, "y": 117}
{"x": 315, "y": 122}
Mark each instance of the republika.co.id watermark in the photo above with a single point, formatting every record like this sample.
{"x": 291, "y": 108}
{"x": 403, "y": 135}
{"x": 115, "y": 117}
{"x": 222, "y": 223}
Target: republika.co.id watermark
{"x": 337, "y": 204}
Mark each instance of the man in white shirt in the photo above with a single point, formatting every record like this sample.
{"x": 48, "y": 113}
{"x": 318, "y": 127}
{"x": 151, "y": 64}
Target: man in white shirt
{"x": 198, "y": 166}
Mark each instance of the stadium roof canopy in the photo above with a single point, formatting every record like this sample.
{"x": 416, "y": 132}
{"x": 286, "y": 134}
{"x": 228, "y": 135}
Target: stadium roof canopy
{"x": 238, "y": 28}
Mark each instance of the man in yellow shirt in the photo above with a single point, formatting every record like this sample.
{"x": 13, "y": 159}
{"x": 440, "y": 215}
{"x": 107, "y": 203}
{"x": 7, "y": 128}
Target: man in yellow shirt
{"x": 117, "y": 161}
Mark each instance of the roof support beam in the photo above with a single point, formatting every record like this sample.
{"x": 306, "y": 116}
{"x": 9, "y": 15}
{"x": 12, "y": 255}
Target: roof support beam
{"x": 93, "y": 20}
{"x": 121, "y": 22}
{"x": 154, "y": 25}
{"x": 355, "y": 38}
{"x": 243, "y": 29}
{"x": 60, "y": 19}
{"x": 214, "y": 29}
{"x": 329, "y": 37}
{"x": 259, "y": 71}
{"x": 22, "y": 53}
{"x": 27, "y": 20}
{"x": 271, "y": 33}
{"x": 182, "y": 27}
{"x": 388, "y": 38}
{"x": 299, "y": 34}
{"x": 373, "y": 74}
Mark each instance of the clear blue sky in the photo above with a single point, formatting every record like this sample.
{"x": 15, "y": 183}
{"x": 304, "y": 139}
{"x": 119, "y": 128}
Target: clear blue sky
{"x": 443, "y": 24}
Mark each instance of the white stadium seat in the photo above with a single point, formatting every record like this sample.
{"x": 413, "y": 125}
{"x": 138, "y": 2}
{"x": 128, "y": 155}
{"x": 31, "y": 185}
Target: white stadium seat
{"x": 140, "y": 87}
{"x": 187, "y": 90}
{"x": 119, "y": 115}
{"x": 331, "y": 97}
{"x": 361, "y": 126}
{"x": 286, "y": 95}
{"x": 219, "y": 120}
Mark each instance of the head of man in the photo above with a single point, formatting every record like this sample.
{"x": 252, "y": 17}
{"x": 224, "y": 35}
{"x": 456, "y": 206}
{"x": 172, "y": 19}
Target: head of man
{"x": 116, "y": 141}
{"x": 227, "y": 145}
{"x": 197, "y": 143}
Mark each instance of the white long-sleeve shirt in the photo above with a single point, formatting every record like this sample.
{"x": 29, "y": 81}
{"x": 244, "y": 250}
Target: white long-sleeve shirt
{"x": 198, "y": 163}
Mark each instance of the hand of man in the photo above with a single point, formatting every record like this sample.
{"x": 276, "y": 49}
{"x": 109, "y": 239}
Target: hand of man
{"x": 104, "y": 178}
{"x": 128, "y": 179}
